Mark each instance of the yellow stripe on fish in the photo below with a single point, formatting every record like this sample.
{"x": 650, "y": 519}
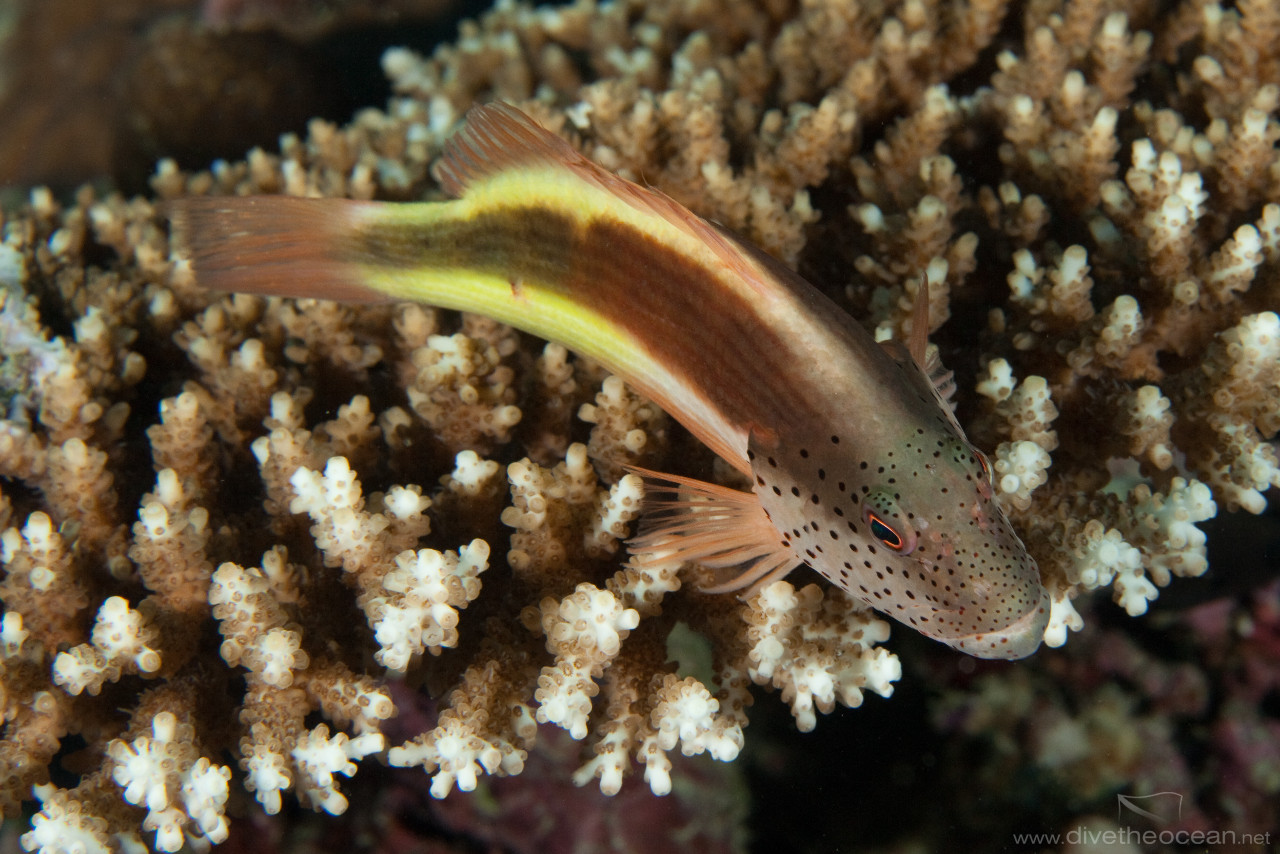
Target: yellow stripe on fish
{"x": 859, "y": 468}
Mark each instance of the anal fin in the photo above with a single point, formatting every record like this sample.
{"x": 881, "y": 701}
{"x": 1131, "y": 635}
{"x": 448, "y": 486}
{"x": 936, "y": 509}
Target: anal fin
{"x": 724, "y": 529}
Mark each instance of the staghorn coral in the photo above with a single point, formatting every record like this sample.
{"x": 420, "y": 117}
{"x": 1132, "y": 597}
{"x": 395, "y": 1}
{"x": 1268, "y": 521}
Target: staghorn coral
{"x": 325, "y": 509}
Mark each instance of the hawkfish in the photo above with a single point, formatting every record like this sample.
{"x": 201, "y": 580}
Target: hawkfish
{"x": 859, "y": 469}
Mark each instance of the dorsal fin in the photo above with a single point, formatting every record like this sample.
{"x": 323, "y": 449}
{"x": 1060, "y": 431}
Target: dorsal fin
{"x": 918, "y": 341}
{"x": 498, "y": 137}
{"x": 944, "y": 381}
{"x": 494, "y": 138}
{"x": 925, "y": 355}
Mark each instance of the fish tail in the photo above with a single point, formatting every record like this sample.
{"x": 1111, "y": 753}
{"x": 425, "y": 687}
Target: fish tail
{"x": 276, "y": 245}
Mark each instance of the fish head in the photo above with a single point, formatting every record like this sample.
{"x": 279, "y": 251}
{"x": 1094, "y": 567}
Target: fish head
{"x": 913, "y": 529}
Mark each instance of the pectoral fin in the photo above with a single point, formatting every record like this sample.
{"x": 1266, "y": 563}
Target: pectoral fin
{"x": 723, "y": 529}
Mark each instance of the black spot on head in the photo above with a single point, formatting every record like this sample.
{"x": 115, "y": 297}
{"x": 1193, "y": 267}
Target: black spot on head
{"x": 804, "y": 454}
{"x": 835, "y": 440}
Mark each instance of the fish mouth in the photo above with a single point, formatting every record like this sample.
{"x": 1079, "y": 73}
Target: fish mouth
{"x": 1017, "y": 640}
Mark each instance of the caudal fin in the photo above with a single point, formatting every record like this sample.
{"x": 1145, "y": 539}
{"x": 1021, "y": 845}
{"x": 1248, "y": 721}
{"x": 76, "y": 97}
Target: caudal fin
{"x": 275, "y": 245}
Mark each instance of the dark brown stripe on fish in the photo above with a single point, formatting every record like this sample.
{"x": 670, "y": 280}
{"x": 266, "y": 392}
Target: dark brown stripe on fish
{"x": 680, "y": 309}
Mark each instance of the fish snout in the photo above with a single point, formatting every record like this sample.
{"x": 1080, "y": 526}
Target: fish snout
{"x": 1016, "y": 640}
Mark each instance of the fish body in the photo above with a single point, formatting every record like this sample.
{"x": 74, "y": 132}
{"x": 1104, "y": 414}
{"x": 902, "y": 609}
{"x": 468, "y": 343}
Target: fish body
{"x": 859, "y": 468}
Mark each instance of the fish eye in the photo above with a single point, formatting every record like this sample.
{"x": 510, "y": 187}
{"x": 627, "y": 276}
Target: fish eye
{"x": 885, "y": 533}
{"x": 887, "y": 521}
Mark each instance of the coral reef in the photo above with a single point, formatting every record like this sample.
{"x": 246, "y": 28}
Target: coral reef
{"x": 240, "y": 534}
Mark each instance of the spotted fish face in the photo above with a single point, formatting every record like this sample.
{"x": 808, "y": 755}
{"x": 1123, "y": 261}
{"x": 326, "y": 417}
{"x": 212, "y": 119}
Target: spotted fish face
{"x": 913, "y": 530}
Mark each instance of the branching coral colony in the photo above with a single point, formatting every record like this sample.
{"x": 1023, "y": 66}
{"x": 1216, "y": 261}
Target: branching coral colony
{"x": 226, "y": 518}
